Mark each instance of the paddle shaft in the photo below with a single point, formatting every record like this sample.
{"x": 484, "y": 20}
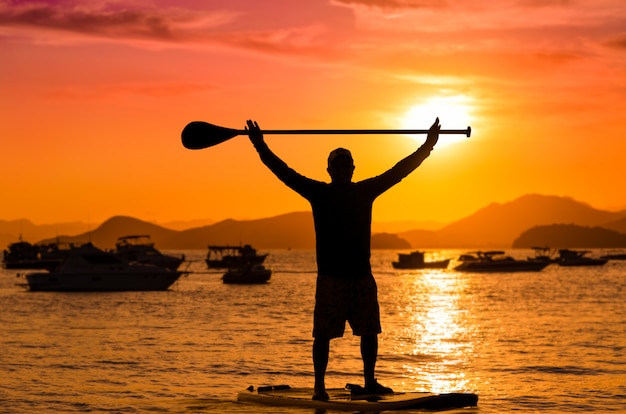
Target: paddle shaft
{"x": 466, "y": 132}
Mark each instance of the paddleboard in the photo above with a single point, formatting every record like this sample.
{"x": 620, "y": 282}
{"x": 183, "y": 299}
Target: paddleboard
{"x": 342, "y": 399}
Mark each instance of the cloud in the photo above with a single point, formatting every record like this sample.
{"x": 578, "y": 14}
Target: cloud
{"x": 150, "y": 90}
{"x": 339, "y": 31}
{"x": 248, "y": 29}
{"x": 459, "y": 4}
{"x": 618, "y": 41}
{"x": 111, "y": 20}
{"x": 395, "y": 4}
{"x": 451, "y": 15}
{"x": 291, "y": 40}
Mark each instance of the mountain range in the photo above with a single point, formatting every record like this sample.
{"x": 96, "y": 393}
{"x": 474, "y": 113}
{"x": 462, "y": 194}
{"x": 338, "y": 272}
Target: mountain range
{"x": 499, "y": 225}
{"x": 530, "y": 220}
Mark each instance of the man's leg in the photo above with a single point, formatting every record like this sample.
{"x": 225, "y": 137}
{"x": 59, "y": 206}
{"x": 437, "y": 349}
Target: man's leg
{"x": 369, "y": 353}
{"x": 321, "y": 349}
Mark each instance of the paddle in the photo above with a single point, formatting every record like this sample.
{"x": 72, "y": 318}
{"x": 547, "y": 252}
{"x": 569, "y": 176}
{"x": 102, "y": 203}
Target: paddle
{"x": 199, "y": 134}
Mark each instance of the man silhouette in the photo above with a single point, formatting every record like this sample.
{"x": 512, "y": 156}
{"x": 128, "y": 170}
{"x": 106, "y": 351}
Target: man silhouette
{"x": 342, "y": 216}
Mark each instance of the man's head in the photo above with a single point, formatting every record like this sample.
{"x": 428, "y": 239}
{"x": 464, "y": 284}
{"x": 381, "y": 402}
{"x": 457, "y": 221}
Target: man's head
{"x": 340, "y": 165}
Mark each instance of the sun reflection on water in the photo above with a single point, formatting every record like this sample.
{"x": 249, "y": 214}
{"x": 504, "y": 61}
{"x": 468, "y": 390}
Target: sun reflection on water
{"x": 437, "y": 331}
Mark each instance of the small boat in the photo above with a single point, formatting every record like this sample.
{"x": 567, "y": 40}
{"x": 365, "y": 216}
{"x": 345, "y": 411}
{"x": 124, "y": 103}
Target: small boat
{"x": 415, "y": 260}
{"x": 496, "y": 261}
{"x": 89, "y": 269}
{"x": 140, "y": 249}
{"x": 569, "y": 257}
{"x": 226, "y": 257}
{"x": 247, "y": 275}
{"x": 614, "y": 255}
{"x": 543, "y": 254}
{"x": 24, "y": 255}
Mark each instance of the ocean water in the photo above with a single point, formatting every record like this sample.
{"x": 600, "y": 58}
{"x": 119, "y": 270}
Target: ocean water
{"x": 549, "y": 342}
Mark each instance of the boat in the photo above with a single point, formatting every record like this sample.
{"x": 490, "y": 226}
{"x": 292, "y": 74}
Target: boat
{"x": 543, "y": 254}
{"x": 615, "y": 254}
{"x": 87, "y": 268}
{"x": 140, "y": 248}
{"x": 226, "y": 257}
{"x": 415, "y": 260}
{"x": 570, "y": 257}
{"x": 496, "y": 261}
{"x": 247, "y": 275}
{"x": 24, "y": 255}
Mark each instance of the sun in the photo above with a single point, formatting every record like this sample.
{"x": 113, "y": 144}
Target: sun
{"x": 454, "y": 112}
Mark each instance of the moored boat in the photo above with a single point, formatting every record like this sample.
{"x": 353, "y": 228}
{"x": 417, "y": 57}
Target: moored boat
{"x": 89, "y": 269}
{"x": 495, "y": 261}
{"x": 140, "y": 249}
{"x": 226, "y": 257}
{"x": 543, "y": 254}
{"x": 415, "y": 260}
{"x": 247, "y": 275}
{"x": 24, "y": 255}
{"x": 615, "y": 254}
{"x": 570, "y": 257}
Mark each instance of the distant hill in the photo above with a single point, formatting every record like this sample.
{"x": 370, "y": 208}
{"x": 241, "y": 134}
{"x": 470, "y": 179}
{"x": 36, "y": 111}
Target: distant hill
{"x": 224, "y": 232}
{"x": 401, "y": 226}
{"x": 498, "y": 225}
{"x": 292, "y": 230}
{"x": 389, "y": 241}
{"x": 13, "y": 230}
{"x": 560, "y": 236}
{"x": 105, "y": 235}
{"x": 186, "y": 224}
{"x": 494, "y": 226}
{"x": 618, "y": 225}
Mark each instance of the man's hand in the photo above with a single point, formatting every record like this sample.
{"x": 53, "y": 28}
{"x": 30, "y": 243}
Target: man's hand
{"x": 433, "y": 134}
{"x": 254, "y": 132}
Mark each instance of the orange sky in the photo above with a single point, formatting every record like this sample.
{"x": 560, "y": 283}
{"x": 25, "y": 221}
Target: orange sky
{"x": 94, "y": 95}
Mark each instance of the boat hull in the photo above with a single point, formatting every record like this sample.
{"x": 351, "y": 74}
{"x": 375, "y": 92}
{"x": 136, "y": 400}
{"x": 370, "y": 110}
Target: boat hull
{"x": 253, "y": 277}
{"x": 583, "y": 262}
{"x": 93, "y": 282}
{"x": 33, "y": 264}
{"x": 441, "y": 264}
{"x": 504, "y": 267}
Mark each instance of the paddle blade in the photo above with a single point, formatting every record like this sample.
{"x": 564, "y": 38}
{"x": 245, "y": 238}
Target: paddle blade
{"x": 198, "y": 135}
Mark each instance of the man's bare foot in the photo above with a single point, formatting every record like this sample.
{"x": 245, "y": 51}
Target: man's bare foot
{"x": 320, "y": 395}
{"x": 376, "y": 388}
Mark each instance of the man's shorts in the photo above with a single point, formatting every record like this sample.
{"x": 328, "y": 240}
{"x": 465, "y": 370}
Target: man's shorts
{"x": 341, "y": 300}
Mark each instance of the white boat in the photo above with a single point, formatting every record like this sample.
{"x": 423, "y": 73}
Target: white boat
{"x": 89, "y": 269}
{"x": 496, "y": 261}
{"x": 140, "y": 249}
